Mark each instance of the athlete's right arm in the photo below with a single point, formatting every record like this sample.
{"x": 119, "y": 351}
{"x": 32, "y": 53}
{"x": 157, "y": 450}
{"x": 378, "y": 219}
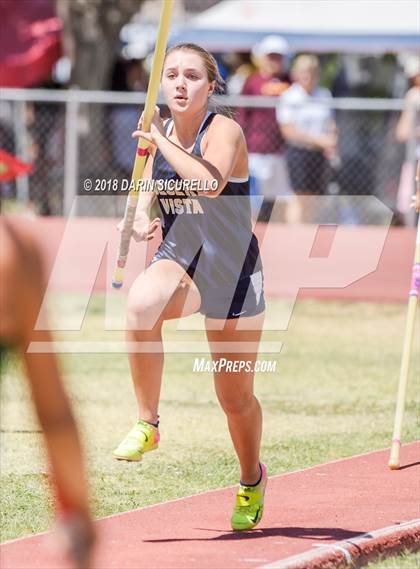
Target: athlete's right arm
{"x": 145, "y": 229}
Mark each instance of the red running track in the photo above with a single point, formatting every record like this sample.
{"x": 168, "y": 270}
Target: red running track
{"x": 368, "y": 263}
{"x": 304, "y": 510}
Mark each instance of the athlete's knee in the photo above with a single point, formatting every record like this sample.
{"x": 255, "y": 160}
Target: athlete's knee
{"x": 238, "y": 404}
{"x": 143, "y": 310}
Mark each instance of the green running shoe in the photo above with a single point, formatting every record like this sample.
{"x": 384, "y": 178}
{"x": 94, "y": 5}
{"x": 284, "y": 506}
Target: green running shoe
{"x": 142, "y": 438}
{"x": 249, "y": 505}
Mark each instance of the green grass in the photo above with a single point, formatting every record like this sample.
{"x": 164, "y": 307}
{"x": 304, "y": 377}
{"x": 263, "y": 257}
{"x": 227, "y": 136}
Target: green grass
{"x": 403, "y": 561}
{"x": 333, "y": 396}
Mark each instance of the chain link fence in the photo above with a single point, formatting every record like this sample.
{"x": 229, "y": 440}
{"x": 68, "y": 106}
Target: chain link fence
{"x": 73, "y": 136}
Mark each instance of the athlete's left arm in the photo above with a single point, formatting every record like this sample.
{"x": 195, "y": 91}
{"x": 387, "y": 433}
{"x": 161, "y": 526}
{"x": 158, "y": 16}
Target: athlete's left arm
{"x": 220, "y": 154}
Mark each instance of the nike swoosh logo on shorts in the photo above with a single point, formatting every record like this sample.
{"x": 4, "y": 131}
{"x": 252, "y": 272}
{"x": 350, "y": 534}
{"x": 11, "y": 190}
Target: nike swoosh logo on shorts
{"x": 238, "y": 313}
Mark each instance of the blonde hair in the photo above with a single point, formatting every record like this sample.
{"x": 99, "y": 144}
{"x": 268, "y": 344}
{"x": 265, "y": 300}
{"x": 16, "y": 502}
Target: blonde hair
{"x": 208, "y": 60}
{"x": 305, "y": 62}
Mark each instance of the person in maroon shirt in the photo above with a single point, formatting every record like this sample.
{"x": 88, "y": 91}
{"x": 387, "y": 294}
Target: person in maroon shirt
{"x": 265, "y": 144}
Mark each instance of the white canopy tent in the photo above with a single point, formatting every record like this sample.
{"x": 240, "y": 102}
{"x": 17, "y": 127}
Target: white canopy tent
{"x": 363, "y": 26}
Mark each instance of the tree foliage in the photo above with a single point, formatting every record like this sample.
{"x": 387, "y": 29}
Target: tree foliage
{"x": 91, "y": 35}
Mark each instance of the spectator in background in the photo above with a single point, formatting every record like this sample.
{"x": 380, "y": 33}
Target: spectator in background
{"x": 267, "y": 164}
{"x": 307, "y": 125}
{"x": 240, "y": 68}
{"x": 408, "y": 127}
{"x": 416, "y": 198}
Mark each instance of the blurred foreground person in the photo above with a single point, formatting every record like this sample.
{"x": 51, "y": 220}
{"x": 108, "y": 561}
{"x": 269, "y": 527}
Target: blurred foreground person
{"x": 21, "y": 293}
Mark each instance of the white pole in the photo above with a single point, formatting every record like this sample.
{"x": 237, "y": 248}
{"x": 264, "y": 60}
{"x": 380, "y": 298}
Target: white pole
{"x": 19, "y": 125}
{"x": 71, "y": 157}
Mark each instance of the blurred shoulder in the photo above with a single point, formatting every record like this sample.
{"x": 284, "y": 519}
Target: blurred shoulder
{"x": 20, "y": 232}
{"x": 292, "y": 93}
{"x": 323, "y": 93}
{"x": 413, "y": 95}
{"x": 21, "y": 249}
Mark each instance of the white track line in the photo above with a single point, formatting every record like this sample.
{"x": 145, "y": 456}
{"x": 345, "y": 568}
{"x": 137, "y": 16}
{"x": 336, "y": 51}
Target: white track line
{"x": 345, "y": 547}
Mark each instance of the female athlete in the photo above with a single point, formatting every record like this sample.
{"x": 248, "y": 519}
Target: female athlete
{"x": 208, "y": 261}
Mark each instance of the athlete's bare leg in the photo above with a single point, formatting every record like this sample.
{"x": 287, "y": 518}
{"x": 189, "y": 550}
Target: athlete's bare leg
{"x": 162, "y": 292}
{"x": 235, "y": 390}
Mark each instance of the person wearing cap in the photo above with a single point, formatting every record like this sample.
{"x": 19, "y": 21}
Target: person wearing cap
{"x": 404, "y": 132}
{"x": 265, "y": 144}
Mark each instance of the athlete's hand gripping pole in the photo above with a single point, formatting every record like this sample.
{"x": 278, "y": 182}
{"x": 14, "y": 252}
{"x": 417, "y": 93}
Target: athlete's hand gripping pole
{"x": 141, "y": 154}
{"x": 394, "y": 460}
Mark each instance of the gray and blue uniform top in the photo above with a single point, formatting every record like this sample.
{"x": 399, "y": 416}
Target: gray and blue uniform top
{"x": 211, "y": 238}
